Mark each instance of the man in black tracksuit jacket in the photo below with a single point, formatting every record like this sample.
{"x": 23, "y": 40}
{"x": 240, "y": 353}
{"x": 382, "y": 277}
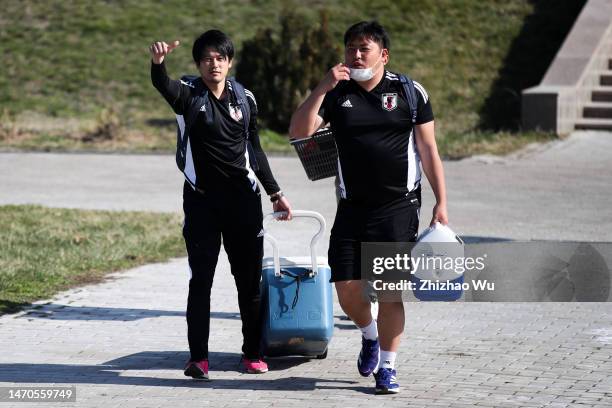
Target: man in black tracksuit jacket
{"x": 220, "y": 195}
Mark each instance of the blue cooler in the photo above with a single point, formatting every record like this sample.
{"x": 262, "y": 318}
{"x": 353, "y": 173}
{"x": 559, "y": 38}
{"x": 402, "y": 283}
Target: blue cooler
{"x": 297, "y": 301}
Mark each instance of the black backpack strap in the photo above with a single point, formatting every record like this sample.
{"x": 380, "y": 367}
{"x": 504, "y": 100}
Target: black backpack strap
{"x": 411, "y": 95}
{"x": 245, "y": 108}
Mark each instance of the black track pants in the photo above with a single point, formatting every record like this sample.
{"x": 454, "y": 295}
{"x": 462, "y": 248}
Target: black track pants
{"x": 234, "y": 213}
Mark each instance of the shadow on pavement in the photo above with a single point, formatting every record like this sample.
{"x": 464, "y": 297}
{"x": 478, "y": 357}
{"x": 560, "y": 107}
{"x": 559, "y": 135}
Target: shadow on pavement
{"x": 219, "y": 361}
{"x": 345, "y": 326}
{"x": 8, "y": 306}
{"x": 64, "y": 312}
{"x": 114, "y": 372}
{"x": 475, "y": 239}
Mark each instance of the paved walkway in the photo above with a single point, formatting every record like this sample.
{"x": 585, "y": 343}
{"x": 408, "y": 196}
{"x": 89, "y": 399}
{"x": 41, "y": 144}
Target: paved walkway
{"x": 558, "y": 191}
{"x": 123, "y": 342}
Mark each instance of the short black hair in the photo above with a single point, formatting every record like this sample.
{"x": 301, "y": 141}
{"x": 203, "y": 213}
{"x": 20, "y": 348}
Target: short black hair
{"x": 214, "y": 39}
{"x": 371, "y": 30}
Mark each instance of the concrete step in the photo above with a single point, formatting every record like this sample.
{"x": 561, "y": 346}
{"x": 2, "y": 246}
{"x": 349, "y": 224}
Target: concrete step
{"x": 593, "y": 124}
{"x": 602, "y": 94}
{"x": 605, "y": 78}
{"x": 598, "y": 110}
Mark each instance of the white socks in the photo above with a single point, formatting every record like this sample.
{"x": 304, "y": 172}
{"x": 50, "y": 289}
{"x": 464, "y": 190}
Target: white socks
{"x": 387, "y": 359}
{"x": 370, "y": 332}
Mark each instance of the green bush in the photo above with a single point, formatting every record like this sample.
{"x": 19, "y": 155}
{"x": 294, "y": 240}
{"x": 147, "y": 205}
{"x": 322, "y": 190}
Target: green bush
{"x": 281, "y": 68}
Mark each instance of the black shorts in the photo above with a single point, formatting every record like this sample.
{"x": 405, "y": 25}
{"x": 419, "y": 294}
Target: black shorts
{"x": 396, "y": 221}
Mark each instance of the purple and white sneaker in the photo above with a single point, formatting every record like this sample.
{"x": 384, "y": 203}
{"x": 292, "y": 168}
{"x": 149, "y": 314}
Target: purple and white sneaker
{"x": 369, "y": 357}
{"x": 386, "y": 383}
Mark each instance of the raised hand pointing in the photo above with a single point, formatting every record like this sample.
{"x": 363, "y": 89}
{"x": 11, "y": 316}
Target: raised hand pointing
{"x": 160, "y": 49}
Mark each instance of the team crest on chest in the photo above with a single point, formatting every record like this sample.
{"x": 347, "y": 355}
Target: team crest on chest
{"x": 389, "y": 101}
{"x": 235, "y": 112}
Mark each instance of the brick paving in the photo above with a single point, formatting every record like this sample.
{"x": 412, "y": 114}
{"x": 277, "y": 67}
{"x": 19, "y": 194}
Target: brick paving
{"x": 123, "y": 343}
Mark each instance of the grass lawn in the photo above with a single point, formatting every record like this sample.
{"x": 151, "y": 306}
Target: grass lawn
{"x": 46, "y": 250}
{"x": 76, "y": 74}
{"x": 458, "y": 146}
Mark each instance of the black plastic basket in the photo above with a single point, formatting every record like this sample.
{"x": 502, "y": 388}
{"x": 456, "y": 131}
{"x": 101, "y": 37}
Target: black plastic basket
{"x": 318, "y": 154}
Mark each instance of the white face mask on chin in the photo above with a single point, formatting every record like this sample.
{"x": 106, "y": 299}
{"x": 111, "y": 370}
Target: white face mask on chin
{"x": 361, "y": 74}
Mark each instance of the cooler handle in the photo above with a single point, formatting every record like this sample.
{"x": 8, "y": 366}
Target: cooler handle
{"x": 313, "y": 241}
{"x": 437, "y": 225}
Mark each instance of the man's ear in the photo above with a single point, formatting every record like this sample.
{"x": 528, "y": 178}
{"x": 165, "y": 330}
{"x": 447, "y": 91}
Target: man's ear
{"x": 229, "y": 64}
{"x": 385, "y": 55}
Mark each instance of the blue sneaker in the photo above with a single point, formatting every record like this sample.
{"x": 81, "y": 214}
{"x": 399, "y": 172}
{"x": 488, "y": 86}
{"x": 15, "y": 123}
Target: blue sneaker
{"x": 369, "y": 357}
{"x": 386, "y": 382}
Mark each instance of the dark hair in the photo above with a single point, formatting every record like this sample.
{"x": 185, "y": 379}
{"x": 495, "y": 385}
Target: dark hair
{"x": 215, "y": 39}
{"x": 371, "y": 30}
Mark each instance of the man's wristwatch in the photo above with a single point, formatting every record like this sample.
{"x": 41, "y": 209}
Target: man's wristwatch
{"x": 276, "y": 196}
